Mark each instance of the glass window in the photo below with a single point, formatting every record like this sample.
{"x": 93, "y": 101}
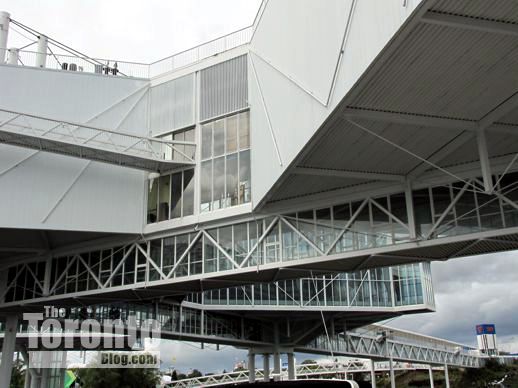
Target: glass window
{"x": 163, "y": 204}
{"x": 228, "y": 182}
{"x": 188, "y": 192}
{"x": 232, "y": 134}
{"x": 219, "y": 184}
{"x": 206, "y": 141}
{"x": 176, "y": 195}
{"x": 206, "y": 186}
{"x": 245, "y": 185}
{"x": 244, "y": 130}
{"x": 219, "y": 138}
{"x": 152, "y": 202}
{"x": 231, "y": 195}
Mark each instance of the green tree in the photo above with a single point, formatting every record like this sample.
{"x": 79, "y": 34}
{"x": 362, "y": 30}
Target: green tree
{"x": 18, "y": 375}
{"x": 194, "y": 373}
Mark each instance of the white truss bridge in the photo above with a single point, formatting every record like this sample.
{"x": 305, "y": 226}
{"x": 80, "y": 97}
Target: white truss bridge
{"x": 94, "y": 143}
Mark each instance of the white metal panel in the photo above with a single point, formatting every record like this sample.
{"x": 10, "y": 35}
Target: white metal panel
{"x": 45, "y": 191}
{"x": 295, "y": 114}
{"x": 172, "y": 105}
{"x": 303, "y": 39}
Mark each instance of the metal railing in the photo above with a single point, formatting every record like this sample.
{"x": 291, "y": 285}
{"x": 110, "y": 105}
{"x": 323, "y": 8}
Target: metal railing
{"x": 137, "y": 69}
{"x": 205, "y": 50}
{"x": 87, "y": 141}
{"x": 86, "y": 64}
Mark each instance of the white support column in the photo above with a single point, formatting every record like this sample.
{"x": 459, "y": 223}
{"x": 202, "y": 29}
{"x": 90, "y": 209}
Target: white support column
{"x": 8, "y": 347}
{"x": 251, "y": 367}
{"x": 276, "y": 354}
{"x": 484, "y": 161}
{"x": 373, "y": 373}
{"x": 410, "y": 210}
{"x": 41, "y": 56}
{"x": 5, "y": 19}
{"x": 14, "y": 55}
{"x": 430, "y": 374}
{"x": 446, "y": 376}
{"x": 392, "y": 375}
{"x": 266, "y": 367}
{"x": 277, "y": 366}
{"x": 292, "y": 373}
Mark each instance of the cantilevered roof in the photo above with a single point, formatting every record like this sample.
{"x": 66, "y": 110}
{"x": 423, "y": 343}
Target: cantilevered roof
{"x": 449, "y": 73}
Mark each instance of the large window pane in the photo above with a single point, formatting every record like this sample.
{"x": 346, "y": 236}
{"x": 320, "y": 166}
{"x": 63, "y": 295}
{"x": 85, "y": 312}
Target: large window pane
{"x": 231, "y": 196}
{"x": 244, "y": 130}
{"x": 206, "y": 186}
{"x": 163, "y": 207}
{"x": 176, "y": 195}
{"x": 206, "y": 141}
{"x": 219, "y": 138}
{"x": 152, "y": 202}
{"x": 188, "y": 192}
{"x": 244, "y": 177}
{"x": 219, "y": 184}
{"x": 232, "y": 123}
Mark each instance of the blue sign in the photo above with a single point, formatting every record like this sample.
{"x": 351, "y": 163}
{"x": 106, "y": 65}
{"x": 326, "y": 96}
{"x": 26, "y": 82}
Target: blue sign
{"x": 486, "y": 329}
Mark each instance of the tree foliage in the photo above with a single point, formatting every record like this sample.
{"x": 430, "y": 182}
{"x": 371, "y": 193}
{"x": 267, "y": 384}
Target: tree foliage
{"x": 126, "y": 378}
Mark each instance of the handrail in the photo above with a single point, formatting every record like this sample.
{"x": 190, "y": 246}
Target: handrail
{"x": 139, "y": 69}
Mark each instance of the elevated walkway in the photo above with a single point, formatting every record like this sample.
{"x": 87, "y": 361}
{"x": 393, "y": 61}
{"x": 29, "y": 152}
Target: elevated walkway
{"x": 94, "y": 143}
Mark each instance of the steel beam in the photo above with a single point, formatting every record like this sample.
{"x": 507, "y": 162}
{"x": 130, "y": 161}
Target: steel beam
{"x": 349, "y": 174}
{"x": 469, "y": 23}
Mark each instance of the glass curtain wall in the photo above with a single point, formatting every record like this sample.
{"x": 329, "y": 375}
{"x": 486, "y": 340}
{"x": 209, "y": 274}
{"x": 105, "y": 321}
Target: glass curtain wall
{"x": 225, "y": 166}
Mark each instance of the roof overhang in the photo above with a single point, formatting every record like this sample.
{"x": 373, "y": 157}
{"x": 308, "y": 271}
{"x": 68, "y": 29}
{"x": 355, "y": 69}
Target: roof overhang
{"x": 444, "y": 83}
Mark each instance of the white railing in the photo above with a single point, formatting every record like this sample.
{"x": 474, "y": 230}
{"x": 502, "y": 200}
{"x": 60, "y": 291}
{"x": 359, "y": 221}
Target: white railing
{"x": 205, "y": 50}
{"x": 137, "y": 69}
{"x": 86, "y": 64}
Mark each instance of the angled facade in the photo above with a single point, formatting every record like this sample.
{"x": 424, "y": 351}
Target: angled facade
{"x": 314, "y": 163}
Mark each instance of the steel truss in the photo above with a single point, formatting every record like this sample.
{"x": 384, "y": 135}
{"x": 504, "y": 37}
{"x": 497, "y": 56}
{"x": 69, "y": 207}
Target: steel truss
{"x": 369, "y": 346}
{"x": 426, "y": 223}
{"x": 304, "y": 371}
{"x": 94, "y": 143}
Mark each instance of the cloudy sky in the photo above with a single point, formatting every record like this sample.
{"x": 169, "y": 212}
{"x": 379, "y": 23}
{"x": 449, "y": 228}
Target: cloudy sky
{"x": 468, "y": 291}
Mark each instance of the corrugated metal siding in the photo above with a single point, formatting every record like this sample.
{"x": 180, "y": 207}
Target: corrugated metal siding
{"x": 448, "y": 72}
{"x": 172, "y": 104}
{"x": 223, "y": 88}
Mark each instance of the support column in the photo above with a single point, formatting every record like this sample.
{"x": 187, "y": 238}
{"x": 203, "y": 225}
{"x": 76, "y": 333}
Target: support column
{"x": 484, "y": 161}
{"x": 292, "y": 373}
{"x": 277, "y": 366}
{"x": 430, "y": 373}
{"x": 276, "y": 354}
{"x": 446, "y": 376}
{"x": 373, "y": 373}
{"x": 409, "y": 200}
{"x": 6, "y": 365}
{"x": 392, "y": 375}
{"x": 266, "y": 367}
{"x": 41, "y": 55}
{"x": 251, "y": 367}
{"x": 5, "y": 19}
